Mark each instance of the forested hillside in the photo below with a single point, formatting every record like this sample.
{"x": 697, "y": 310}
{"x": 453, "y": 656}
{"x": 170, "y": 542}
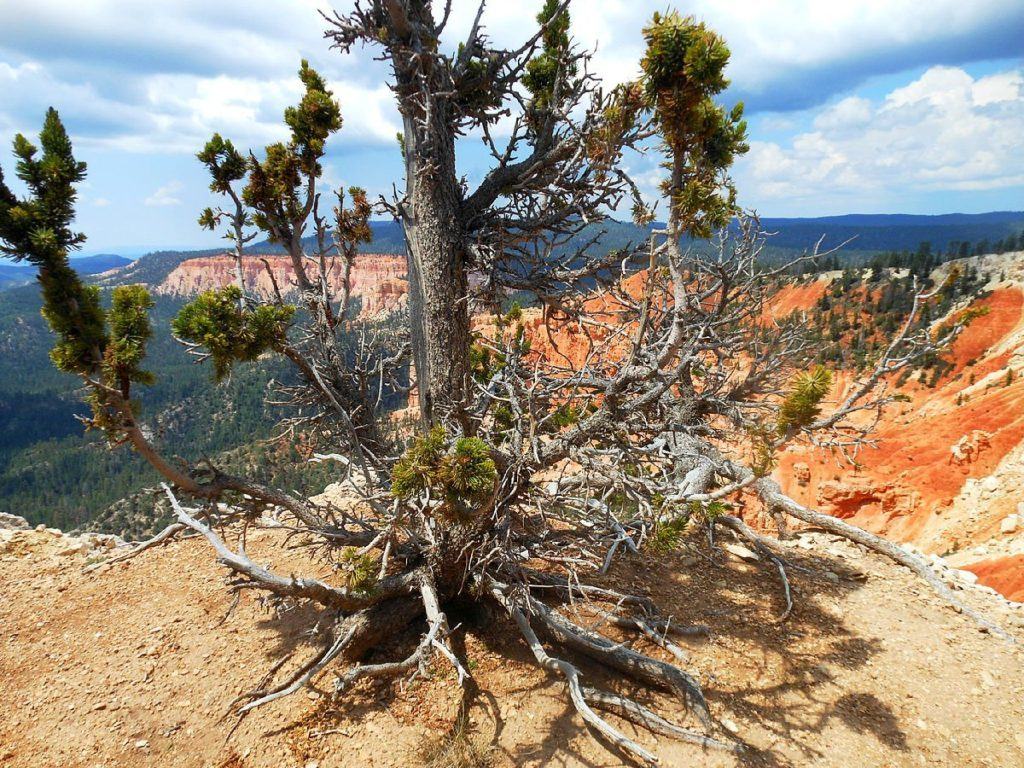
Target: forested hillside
{"x": 50, "y": 473}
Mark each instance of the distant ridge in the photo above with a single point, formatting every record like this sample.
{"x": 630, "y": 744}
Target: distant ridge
{"x": 869, "y": 234}
{"x": 905, "y": 219}
{"x": 19, "y": 274}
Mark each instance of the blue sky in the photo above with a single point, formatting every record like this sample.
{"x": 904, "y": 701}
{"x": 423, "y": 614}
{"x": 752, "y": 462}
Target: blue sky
{"x": 854, "y": 107}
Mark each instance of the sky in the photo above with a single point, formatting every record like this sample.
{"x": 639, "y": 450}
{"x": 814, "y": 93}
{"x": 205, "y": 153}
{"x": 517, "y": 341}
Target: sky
{"x": 854, "y": 106}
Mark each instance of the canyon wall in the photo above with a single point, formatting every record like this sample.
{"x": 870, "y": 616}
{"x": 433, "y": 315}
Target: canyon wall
{"x": 946, "y": 473}
{"x": 378, "y": 280}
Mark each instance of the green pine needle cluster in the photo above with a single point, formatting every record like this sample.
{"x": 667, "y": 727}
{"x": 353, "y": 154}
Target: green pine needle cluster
{"x": 484, "y": 362}
{"x": 276, "y": 184}
{"x": 683, "y": 70}
{"x": 461, "y": 473}
{"x": 360, "y": 570}
{"x": 215, "y": 321}
{"x": 802, "y": 404}
{"x": 105, "y": 346}
{"x": 38, "y": 229}
{"x": 668, "y": 535}
{"x": 225, "y": 164}
{"x": 130, "y": 330}
{"x": 542, "y": 72}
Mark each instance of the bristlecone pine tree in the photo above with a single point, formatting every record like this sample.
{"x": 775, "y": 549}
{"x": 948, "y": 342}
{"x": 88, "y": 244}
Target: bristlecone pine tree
{"x": 677, "y": 409}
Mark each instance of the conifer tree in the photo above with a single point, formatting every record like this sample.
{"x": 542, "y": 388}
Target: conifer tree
{"x": 519, "y": 454}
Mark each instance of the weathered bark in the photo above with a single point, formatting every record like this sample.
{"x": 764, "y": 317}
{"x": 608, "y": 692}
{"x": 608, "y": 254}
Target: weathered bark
{"x": 438, "y": 286}
{"x": 431, "y": 215}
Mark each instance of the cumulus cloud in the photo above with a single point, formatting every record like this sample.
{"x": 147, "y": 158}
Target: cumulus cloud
{"x": 136, "y": 77}
{"x": 789, "y": 54}
{"x": 945, "y": 130}
{"x": 143, "y": 76}
{"x": 795, "y": 54}
{"x": 165, "y": 195}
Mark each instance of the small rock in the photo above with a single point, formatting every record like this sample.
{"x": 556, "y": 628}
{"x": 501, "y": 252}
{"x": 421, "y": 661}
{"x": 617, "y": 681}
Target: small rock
{"x": 13, "y": 522}
{"x": 738, "y": 550}
{"x": 73, "y": 547}
{"x": 730, "y": 726}
{"x": 964, "y": 577}
{"x": 142, "y": 744}
{"x": 1010, "y": 524}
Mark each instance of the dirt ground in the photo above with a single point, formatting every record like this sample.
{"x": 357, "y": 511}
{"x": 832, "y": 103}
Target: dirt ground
{"x": 131, "y": 665}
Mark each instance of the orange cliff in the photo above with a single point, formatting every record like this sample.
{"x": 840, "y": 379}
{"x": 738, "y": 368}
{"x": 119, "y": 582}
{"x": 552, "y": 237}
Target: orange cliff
{"x": 947, "y": 471}
{"x": 378, "y": 280}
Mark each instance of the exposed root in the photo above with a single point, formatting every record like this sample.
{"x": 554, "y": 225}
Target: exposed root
{"x": 572, "y": 680}
{"x": 640, "y": 715}
{"x": 433, "y": 639}
{"x": 661, "y": 626}
{"x": 657, "y": 636}
{"x": 166, "y": 535}
{"x": 568, "y": 591}
{"x": 432, "y": 608}
{"x": 765, "y": 551}
{"x": 303, "y": 675}
{"x": 310, "y": 589}
{"x": 637, "y": 665}
{"x": 772, "y": 495}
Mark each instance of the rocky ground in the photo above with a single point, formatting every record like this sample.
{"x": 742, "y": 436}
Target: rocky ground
{"x": 134, "y": 665}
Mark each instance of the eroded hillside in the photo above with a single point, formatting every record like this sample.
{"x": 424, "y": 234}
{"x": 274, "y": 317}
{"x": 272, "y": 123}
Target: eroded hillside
{"x": 947, "y": 468}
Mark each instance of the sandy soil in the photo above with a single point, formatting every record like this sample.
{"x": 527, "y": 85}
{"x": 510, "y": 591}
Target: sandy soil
{"x": 131, "y": 666}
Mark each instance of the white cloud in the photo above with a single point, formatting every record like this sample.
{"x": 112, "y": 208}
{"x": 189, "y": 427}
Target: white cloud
{"x": 944, "y": 131}
{"x": 851, "y": 113}
{"x": 141, "y": 76}
{"x": 165, "y": 195}
{"x": 101, "y": 202}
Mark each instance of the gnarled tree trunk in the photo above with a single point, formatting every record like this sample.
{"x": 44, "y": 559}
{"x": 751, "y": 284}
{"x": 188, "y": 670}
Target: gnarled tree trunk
{"x": 438, "y": 284}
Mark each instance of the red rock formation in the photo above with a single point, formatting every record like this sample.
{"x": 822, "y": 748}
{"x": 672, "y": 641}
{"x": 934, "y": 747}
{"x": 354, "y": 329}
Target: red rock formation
{"x": 1003, "y": 574}
{"x": 796, "y": 298}
{"x": 378, "y": 280}
{"x": 931, "y": 479}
